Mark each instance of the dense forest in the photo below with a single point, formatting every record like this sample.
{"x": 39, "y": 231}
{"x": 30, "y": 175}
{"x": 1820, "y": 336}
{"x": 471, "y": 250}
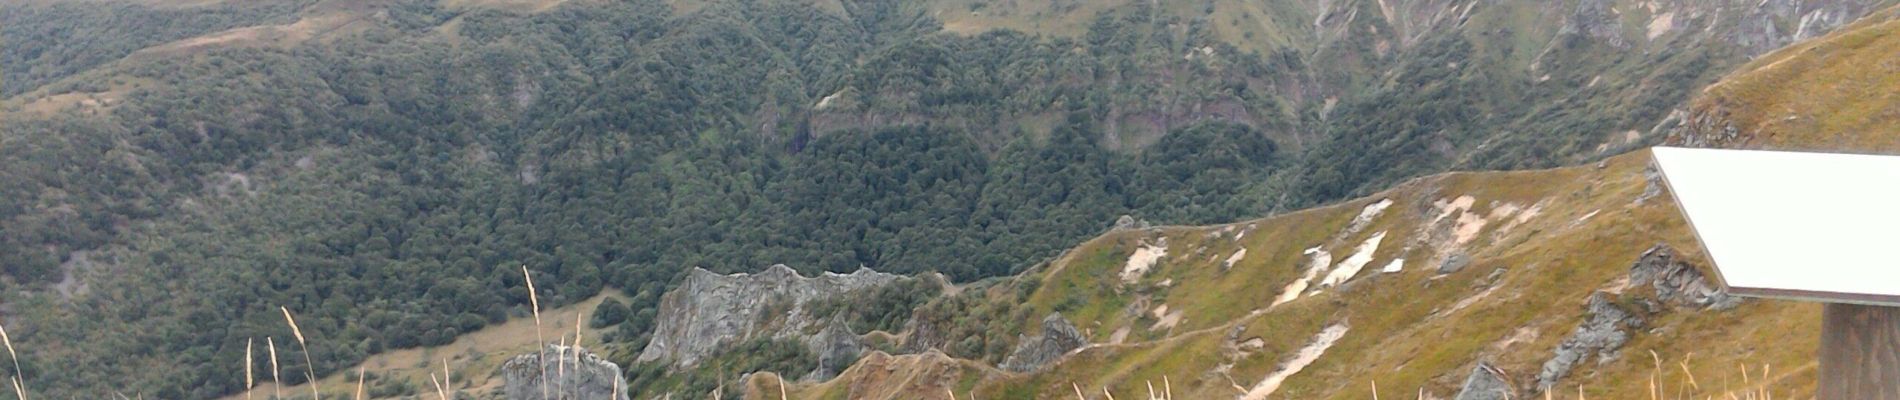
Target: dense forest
{"x": 389, "y": 177}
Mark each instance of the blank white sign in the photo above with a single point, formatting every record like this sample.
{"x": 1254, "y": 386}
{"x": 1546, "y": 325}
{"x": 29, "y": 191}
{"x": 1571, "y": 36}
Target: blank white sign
{"x": 1809, "y": 226}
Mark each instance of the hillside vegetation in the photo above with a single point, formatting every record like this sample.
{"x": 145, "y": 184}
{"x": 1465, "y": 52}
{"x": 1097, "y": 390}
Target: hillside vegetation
{"x": 176, "y": 171}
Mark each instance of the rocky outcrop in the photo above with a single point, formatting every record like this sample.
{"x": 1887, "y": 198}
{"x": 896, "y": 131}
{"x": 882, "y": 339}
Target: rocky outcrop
{"x": 1706, "y": 125}
{"x": 572, "y": 372}
{"x": 709, "y": 309}
{"x": 923, "y": 335}
{"x": 1652, "y": 185}
{"x": 1605, "y": 329}
{"x": 1130, "y": 222}
{"x": 836, "y": 348}
{"x": 1596, "y": 19}
{"x": 1772, "y": 24}
{"x": 1058, "y": 338}
{"x": 1485, "y": 383}
{"x": 1454, "y": 263}
{"x": 1677, "y": 283}
{"x": 1673, "y": 285}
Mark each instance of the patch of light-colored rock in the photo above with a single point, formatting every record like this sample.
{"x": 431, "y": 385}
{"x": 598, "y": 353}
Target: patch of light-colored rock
{"x": 1319, "y": 260}
{"x": 1306, "y": 356}
{"x": 1231, "y": 260}
{"x": 1143, "y": 259}
{"x": 1351, "y": 266}
{"x": 1397, "y": 264}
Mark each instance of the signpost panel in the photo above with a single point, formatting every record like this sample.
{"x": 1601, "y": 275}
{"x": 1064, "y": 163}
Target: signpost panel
{"x": 1806, "y": 227}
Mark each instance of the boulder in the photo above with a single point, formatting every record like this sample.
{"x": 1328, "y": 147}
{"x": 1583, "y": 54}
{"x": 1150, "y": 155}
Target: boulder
{"x": 1485, "y": 383}
{"x": 572, "y": 374}
{"x": 836, "y": 348}
{"x": 1058, "y": 338}
{"x": 1677, "y": 283}
{"x": 1454, "y": 263}
{"x": 1605, "y": 329}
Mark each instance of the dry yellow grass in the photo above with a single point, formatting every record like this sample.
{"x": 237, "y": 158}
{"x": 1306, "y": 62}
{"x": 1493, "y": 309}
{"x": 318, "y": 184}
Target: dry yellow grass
{"x": 476, "y": 355}
{"x": 162, "y": 4}
{"x": 520, "y": 6}
{"x": 316, "y": 26}
{"x": 1838, "y": 92}
{"x": 19, "y": 386}
{"x": 40, "y": 104}
{"x": 309, "y": 367}
{"x": 250, "y": 379}
{"x": 534, "y": 306}
{"x": 276, "y": 383}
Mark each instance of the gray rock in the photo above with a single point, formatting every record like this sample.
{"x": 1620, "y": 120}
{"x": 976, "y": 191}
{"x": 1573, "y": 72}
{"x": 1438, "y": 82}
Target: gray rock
{"x": 708, "y": 309}
{"x": 1596, "y": 19}
{"x": 1758, "y": 31}
{"x": 1058, "y": 338}
{"x": 1485, "y": 383}
{"x": 836, "y": 347}
{"x": 1652, "y": 184}
{"x": 1130, "y": 222}
{"x": 1677, "y": 283}
{"x": 923, "y": 336}
{"x": 1602, "y": 333}
{"x": 1454, "y": 263}
{"x": 569, "y": 377}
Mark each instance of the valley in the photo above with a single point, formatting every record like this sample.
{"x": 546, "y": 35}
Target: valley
{"x": 1047, "y": 198}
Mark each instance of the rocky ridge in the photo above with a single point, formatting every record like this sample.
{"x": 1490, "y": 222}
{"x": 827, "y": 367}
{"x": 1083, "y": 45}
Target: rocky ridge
{"x": 709, "y": 309}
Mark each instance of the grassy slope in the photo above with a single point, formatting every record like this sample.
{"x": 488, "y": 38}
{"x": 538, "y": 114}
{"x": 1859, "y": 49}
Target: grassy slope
{"x": 475, "y": 356}
{"x": 1552, "y": 263}
{"x": 1406, "y": 332}
{"x": 322, "y": 21}
{"x": 1848, "y": 87}
{"x": 882, "y": 376}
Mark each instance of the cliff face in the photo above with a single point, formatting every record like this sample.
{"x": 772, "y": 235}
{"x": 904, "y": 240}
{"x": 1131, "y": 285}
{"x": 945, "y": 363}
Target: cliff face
{"x": 572, "y": 372}
{"x": 1058, "y": 338}
{"x": 709, "y": 309}
{"x": 836, "y": 348}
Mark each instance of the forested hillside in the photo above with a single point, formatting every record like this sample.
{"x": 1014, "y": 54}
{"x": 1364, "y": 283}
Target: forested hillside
{"x": 173, "y": 172}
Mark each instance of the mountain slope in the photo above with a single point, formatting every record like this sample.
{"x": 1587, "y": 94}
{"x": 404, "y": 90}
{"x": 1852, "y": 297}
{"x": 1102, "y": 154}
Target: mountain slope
{"x": 1534, "y": 246}
{"x": 384, "y": 168}
{"x": 1846, "y": 101}
{"x": 1510, "y": 275}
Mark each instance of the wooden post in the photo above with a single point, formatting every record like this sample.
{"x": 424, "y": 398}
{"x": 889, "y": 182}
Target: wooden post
{"x": 1860, "y": 352}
